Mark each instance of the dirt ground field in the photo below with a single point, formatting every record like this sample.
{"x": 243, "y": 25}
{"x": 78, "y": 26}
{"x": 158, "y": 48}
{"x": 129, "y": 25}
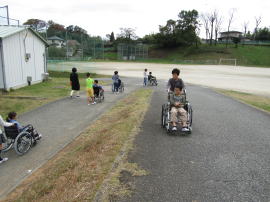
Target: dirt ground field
{"x": 246, "y": 79}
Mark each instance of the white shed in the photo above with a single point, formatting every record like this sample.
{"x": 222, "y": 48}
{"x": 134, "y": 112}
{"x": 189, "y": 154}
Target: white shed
{"x": 22, "y": 57}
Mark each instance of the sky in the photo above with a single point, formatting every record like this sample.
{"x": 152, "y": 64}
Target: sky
{"x": 101, "y": 17}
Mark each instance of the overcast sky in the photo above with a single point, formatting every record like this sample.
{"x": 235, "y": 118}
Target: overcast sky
{"x": 100, "y": 17}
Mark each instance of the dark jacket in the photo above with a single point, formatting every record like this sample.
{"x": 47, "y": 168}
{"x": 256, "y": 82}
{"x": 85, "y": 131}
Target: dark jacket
{"x": 75, "y": 84}
{"x": 172, "y": 83}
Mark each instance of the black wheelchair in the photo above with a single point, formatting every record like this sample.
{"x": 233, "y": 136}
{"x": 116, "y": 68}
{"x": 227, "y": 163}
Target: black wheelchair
{"x": 21, "y": 141}
{"x": 153, "y": 81}
{"x": 98, "y": 94}
{"x": 166, "y": 117}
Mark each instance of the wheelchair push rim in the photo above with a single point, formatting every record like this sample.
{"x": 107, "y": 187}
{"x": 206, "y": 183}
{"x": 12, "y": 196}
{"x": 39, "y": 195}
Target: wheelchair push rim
{"x": 23, "y": 143}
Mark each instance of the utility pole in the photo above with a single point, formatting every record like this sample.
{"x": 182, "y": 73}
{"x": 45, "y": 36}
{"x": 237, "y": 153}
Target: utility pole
{"x": 7, "y": 15}
{"x": 66, "y": 47}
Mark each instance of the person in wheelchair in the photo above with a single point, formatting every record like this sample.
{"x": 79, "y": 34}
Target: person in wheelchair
{"x": 12, "y": 118}
{"x": 175, "y": 80}
{"x": 150, "y": 76}
{"x": 177, "y": 101}
{"x": 97, "y": 88}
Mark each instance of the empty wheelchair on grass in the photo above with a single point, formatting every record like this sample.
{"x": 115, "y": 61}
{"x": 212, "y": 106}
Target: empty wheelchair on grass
{"x": 98, "y": 94}
{"x": 166, "y": 117}
{"x": 21, "y": 141}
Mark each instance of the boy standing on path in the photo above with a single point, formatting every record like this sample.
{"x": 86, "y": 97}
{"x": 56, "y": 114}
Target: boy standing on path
{"x": 89, "y": 89}
{"x": 74, "y": 82}
{"x": 145, "y": 77}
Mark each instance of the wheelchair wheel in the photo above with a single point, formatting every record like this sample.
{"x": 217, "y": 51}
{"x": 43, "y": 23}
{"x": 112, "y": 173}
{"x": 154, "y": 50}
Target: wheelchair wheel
{"x": 23, "y": 143}
{"x": 163, "y": 116}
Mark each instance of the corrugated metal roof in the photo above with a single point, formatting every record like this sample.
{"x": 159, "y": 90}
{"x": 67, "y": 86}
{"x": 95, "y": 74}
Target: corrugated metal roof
{"x": 6, "y": 31}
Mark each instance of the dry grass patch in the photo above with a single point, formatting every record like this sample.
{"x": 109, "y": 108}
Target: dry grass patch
{"x": 76, "y": 173}
{"x": 258, "y": 101}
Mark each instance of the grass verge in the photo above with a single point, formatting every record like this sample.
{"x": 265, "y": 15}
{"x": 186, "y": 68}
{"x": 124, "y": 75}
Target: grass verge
{"x": 76, "y": 173}
{"x": 257, "y": 101}
{"x": 31, "y": 97}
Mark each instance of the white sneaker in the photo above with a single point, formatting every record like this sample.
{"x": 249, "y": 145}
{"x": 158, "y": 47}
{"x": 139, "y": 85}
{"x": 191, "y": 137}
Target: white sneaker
{"x": 39, "y": 136}
{"x": 174, "y": 128}
{"x": 88, "y": 104}
{"x": 3, "y": 160}
{"x": 185, "y": 129}
{"x": 94, "y": 103}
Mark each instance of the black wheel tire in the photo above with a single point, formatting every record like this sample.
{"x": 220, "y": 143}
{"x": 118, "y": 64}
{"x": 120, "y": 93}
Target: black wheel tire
{"x": 23, "y": 143}
{"x": 162, "y": 117}
{"x": 190, "y": 118}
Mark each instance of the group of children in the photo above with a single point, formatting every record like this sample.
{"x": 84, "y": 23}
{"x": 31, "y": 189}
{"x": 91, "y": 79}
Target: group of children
{"x": 91, "y": 85}
{"x": 147, "y": 78}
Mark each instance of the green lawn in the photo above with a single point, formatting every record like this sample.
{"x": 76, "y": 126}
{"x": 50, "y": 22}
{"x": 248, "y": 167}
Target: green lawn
{"x": 30, "y": 97}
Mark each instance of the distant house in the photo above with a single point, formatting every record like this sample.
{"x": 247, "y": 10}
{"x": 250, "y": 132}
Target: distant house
{"x": 56, "y": 41}
{"x": 72, "y": 47}
{"x": 229, "y": 35}
{"x": 22, "y": 57}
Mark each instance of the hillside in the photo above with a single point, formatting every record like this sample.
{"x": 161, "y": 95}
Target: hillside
{"x": 246, "y": 55}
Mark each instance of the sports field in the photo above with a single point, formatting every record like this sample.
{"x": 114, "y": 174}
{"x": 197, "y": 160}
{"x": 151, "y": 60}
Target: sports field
{"x": 246, "y": 79}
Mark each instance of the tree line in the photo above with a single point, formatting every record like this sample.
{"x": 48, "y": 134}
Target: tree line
{"x": 183, "y": 31}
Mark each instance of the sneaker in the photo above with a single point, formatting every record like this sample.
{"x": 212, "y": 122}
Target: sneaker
{"x": 77, "y": 96}
{"x": 93, "y": 103}
{"x": 70, "y": 96}
{"x": 3, "y": 160}
{"x": 39, "y": 136}
{"x": 174, "y": 128}
{"x": 185, "y": 129}
{"x": 88, "y": 104}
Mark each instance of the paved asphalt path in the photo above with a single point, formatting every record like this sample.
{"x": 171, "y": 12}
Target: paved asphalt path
{"x": 59, "y": 122}
{"x": 226, "y": 158}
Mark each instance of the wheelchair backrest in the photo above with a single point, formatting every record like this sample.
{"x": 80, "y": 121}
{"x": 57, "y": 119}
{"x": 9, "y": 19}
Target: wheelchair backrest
{"x": 96, "y": 90}
{"x": 12, "y": 131}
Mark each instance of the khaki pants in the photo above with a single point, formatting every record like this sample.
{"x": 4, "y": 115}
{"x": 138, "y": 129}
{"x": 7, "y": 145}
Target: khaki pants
{"x": 73, "y": 91}
{"x": 183, "y": 115}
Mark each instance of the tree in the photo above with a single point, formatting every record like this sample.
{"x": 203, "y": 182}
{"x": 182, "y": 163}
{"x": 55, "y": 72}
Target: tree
{"x": 187, "y": 25}
{"x": 36, "y": 24}
{"x": 258, "y": 21}
{"x": 212, "y": 18}
{"x": 245, "y": 25}
{"x": 112, "y": 39}
{"x": 128, "y": 34}
{"x": 263, "y": 34}
{"x": 56, "y": 29}
{"x": 182, "y": 32}
{"x": 229, "y": 24}
{"x": 236, "y": 41}
{"x": 217, "y": 27}
{"x": 206, "y": 25}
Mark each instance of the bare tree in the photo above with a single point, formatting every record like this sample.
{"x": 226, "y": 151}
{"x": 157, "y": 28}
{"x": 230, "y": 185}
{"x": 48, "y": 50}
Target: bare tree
{"x": 258, "y": 21}
{"x": 245, "y": 25}
{"x": 217, "y": 27}
{"x": 229, "y": 25}
{"x": 212, "y": 18}
{"x": 206, "y": 25}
